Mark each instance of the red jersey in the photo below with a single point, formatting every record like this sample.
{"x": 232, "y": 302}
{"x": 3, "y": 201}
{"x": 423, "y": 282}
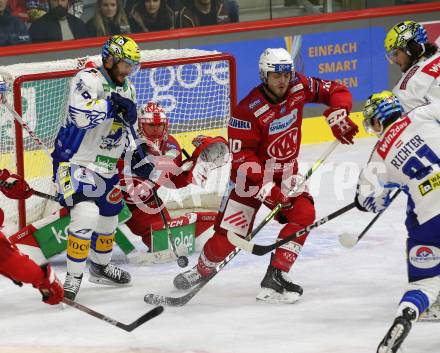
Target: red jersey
{"x": 170, "y": 149}
{"x": 260, "y": 130}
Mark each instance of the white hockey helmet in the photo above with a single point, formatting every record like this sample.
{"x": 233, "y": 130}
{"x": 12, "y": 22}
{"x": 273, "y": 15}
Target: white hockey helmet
{"x": 275, "y": 60}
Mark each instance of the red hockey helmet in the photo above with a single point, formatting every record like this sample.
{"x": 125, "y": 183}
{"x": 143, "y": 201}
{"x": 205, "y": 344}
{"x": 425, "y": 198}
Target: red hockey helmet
{"x": 153, "y": 122}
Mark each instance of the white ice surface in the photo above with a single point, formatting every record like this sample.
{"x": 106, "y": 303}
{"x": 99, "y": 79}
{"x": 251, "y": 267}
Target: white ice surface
{"x": 350, "y": 296}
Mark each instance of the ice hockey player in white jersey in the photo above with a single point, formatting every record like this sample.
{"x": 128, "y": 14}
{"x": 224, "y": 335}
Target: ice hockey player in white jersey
{"x": 407, "y": 45}
{"x": 102, "y": 103}
{"x": 407, "y": 156}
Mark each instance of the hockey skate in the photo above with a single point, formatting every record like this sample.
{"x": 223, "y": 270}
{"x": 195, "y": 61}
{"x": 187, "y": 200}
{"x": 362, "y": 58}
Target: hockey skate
{"x": 71, "y": 285}
{"x": 188, "y": 279}
{"x": 108, "y": 274}
{"x": 277, "y": 287}
{"x": 397, "y": 332}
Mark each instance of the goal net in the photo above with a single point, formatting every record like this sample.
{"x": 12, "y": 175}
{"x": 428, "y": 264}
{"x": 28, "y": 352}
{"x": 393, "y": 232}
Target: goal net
{"x": 196, "y": 88}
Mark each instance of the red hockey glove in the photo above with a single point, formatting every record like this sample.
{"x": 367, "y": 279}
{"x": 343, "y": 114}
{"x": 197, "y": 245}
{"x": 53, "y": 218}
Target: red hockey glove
{"x": 271, "y": 195}
{"x": 343, "y": 128}
{"x": 14, "y": 186}
{"x": 51, "y": 287}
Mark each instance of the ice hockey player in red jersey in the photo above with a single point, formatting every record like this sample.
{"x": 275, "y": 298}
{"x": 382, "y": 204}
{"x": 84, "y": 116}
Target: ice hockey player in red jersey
{"x": 168, "y": 169}
{"x": 17, "y": 266}
{"x": 264, "y": 139}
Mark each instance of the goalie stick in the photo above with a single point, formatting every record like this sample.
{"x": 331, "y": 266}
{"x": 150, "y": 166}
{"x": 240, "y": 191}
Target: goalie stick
{"x": 157, "y": 299}
{"x": 182, "y": 261}
{"x": 260, "y": 250}
{"x": 126, "y": 327}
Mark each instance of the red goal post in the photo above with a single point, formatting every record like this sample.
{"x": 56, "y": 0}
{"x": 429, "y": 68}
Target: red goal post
{"x": 197, "y": 89}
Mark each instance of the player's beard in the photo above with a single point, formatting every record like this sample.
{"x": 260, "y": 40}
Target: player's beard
{"x": 116, "y": 76}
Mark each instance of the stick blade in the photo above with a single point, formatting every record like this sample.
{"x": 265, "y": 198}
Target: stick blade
{"x": 239, "y": 242}
{"x": 144, "y": 318}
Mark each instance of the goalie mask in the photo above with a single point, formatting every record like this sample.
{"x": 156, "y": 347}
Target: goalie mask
{"x": 153, "y": 123}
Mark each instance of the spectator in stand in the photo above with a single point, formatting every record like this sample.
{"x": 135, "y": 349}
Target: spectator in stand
{"x": 57, "y": 24}
{"x": 109, "y": 19}
{"x": 28, "y": 10}
{"x": 151, "y": 15}
{"x": 196, "y": 13}
{"x": 12, "y": 30}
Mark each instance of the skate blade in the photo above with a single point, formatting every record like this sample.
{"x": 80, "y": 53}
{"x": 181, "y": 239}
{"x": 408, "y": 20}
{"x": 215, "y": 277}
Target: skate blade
{"x": 107, "y": 282}
{"x": 268, "y": 295}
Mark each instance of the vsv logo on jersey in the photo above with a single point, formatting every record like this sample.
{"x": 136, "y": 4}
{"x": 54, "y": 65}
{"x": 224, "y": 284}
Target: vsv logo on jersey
{"x": 239, "y": 124}
{"x": 86, "y": 118}
{"x": 284, "y": 146}
{"x": 282, "y": 124}
{"x": 424, "y": 256}
{"x": 385, "y": 144}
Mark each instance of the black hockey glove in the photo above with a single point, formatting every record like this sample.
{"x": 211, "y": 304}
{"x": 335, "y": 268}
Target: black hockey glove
{"x": 139, "y": 166}
{"x": 125, "y": 109}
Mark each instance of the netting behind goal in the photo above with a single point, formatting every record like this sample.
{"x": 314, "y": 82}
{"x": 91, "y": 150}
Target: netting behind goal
{"x": 196, "y": 88}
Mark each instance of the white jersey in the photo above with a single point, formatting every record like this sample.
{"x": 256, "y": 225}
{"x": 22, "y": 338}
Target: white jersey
{"x": 406, "y": 156}
{"x": 420, "y": 84}
{"x": 90, "y": 137}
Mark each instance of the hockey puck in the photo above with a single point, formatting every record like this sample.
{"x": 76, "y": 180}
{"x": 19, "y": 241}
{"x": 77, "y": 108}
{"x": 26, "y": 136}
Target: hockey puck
{"x": 182, "y": 261}
{"x": 347, "y": 240}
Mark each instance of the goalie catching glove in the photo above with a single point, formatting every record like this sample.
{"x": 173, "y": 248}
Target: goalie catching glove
{"x": 210, "y": 153}
{"x": 14, "y": 186}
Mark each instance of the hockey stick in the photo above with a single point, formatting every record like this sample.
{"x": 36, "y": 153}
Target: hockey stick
{"x": 348, "y": 241}
{"x": 309, "y": 173}
{"x": 34, "y": 192}
{"x": 182, "y": 260}
{"x": 157, "y": 299}
{"x": 31, "y": 133}
{"x": 260, "y": 250}
{"x": 127, "y": 327}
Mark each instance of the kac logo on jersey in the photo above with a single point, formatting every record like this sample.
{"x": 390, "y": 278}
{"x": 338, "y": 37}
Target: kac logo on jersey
{"x": 239, "y": 124}
{"x": 285, "y": 146}
{"x": 284, "y": 123}
{"x": 424, "y": 256}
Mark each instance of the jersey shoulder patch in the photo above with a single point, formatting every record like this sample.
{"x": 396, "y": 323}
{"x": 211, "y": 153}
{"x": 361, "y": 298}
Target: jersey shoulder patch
{"x": 432, "y": 68}
{"x": 408, "y": 76}
{"x": 387, "y": 141}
